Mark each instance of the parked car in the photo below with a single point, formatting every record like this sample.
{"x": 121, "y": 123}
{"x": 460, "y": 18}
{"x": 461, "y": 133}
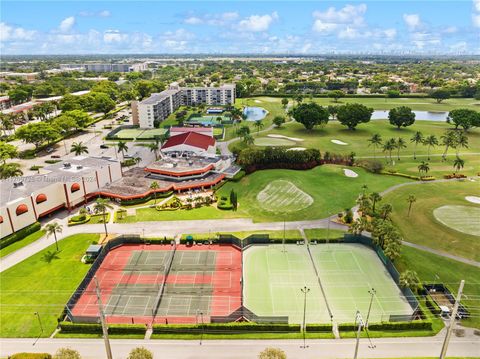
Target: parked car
{"x": 54, "y": 156}
{"x": 104, "y": 146}
{"x": 49, "y": 150}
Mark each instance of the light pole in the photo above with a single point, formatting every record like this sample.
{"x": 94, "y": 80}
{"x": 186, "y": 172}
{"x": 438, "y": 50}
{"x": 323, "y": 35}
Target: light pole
{"x": 283, "y": 242}
{"x": 37, "y": 314}
{"x": 372, "y": 292}
{"x": 358, "y": 318}
{"x": 201, "y": 334}
{"x": 304, "y": 290}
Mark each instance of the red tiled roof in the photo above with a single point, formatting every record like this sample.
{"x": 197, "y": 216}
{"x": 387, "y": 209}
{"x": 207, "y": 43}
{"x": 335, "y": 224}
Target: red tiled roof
{"x": 192, "y": 139}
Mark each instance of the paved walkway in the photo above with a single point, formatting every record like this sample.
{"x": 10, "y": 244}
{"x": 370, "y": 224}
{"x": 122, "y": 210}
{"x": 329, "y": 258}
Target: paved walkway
{"x": 249, "y": 349}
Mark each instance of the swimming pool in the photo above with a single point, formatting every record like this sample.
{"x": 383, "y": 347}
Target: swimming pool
{"x": 255, "y": 113}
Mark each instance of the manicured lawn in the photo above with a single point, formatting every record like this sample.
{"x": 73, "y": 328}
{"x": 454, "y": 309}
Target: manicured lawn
{"x": 151, "y": 214}
{"x": 42, "y": 283}
{"x": 20, "y": 244}
{"x": 450, "y": 273}
{"x": 422, "y": 227}
{"x": 292, "y": 234}
{"x": 323, "y": 233}
{"x": 330, "y": 189}
{"x": 99, "y": 218}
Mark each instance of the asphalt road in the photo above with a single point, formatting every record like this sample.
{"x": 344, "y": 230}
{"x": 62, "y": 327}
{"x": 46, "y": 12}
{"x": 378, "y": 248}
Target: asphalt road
{"x": 249, "y": 349}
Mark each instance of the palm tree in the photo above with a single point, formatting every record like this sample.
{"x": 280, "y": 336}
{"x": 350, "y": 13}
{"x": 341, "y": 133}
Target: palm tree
{"x": 79, "y": 148}
{"x": 259, "y": 125}
{"x": 416, "y": 138}
{"x": 385, "y": 211}
{"x": 423, "y": 167}
{"x": 430, "y": 141}
{"x": 360, "y": 225}
{"x": 122, "y": 147}
{"x": 154, "y": 146}
{"x": 411, "y": 200}
{"x": 375, "y": 197}
{"x": 409, "y": 279}
{"x": 462, "y": 141}
{"x": 154, "y": 186}
{"x": 389, "y": 146}
{"x": 53, "y": 228}
{"x": 400, "y": 144}
{"x": 101, "y": 205}
{"x": 458, "y": 164}
{"x": 375, "y": 141}
{"x": 248, "y": 139}
{"x": 8, "y": 170}
{"x": 449, "y": 139}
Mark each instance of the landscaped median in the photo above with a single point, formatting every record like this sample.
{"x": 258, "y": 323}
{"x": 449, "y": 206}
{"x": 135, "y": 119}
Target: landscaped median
{"x": 87, "y": 218}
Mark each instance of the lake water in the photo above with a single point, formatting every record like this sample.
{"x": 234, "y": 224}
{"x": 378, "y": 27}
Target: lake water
{"x": 419, "y": 115}
{"x": 255, "y": 113}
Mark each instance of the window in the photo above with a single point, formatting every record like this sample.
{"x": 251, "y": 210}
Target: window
{"x": 1, "y": 219}
{"x": 41, "y": 198}
{"x": 21, "y": 209}
{"x": 75, "y": 187}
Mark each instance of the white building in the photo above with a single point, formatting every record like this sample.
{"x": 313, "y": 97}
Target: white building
{"x": 105, "y": 67}
{"x": 23, "y": 200}
{"x": 160, "y": 105}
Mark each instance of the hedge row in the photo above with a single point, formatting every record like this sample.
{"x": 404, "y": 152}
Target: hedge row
{"x": 30, "y": 356}
{"x": 238, "y": 176}
{"x": 142, "y": 200}
{"x": 318, "y": 328}
{"x": 19, "y": 235}
{"x": 432, "y": 305}
{"x": 82, "y": 328}
{"x": 399, "y": 174}
{"x": 225, "y": 327}
{"x": 413, "y": 325}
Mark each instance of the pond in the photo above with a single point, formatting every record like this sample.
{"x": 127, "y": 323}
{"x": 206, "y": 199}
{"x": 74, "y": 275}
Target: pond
{"x": 255, "y": 113}
{"x": 419, "y": 115}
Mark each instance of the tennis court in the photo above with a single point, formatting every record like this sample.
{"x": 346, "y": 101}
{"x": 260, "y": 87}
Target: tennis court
{"x": 273, "y": 279}
{"x": 138, "y": 133}
{"x": 163, "y": 283}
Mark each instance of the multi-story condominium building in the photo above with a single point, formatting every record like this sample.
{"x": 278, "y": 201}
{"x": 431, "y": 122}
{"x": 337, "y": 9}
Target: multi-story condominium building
{"x": 106, "y": 67}
{"x": 159, "y": 106}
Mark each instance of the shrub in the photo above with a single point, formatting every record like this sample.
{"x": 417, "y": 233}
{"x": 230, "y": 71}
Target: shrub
{"x": 140, "y": 353}
{"x": 413, "y": 325}
{"x": 238, "y": 176}
{"x": 348, "y": 218}
{"x": 318, "y": 328}
{"x": 272, "y": 353}
{"x": 225, "y": 328}
{"x": 52, "y": 162}
{"x": 20, "y": 234}
{"x": 78, "y": 219}
{"x": 371, "y": 165}
{"x": 35, "y": 168}
{"x": 82, "y": 328}
{"x": 30, "y": 356}
{"x": 66, "y": 353}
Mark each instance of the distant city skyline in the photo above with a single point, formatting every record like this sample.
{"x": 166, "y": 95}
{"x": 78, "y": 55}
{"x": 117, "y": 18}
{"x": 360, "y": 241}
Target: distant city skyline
{"x": 240, "y": 27}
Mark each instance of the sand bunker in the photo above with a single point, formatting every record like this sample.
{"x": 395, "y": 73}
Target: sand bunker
{"x": 338, "y": 142}
{"x": 288, "y": 138}
{"x": 297, "y": 149}
{"x": 473, "y": 199}
{"x": 350, "y": 173}
{"x": 258, "y": 101}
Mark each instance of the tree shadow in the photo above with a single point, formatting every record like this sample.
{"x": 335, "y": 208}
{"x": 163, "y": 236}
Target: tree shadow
{"x": 49, "y": 256}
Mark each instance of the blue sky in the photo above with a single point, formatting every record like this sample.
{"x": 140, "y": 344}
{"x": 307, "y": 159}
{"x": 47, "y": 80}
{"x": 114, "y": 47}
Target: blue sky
{"x": 295, "y": 27}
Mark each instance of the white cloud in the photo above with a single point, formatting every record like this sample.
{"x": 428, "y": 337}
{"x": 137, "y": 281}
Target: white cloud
{"x": 349, "y": 14}
{"x": 412, "y": 21}
{"x": 221, "y": 19}
{"x": 476, "y": 20}
{"x": 476, "y": 5}
{"x": 390, "y": 33}
{"x": 459, "y": 46}
{"x": 193, "y": 20}
{"x": 348, "y": 33}
{"x": 325, "y": 27}
{"x": 12, "y": 33}
{"x": 104, "y": 13}
{"x": 67, "y": 24}
{"x": 114, "y": 36}
{"x": 257, "y": 23}
{"x": 450, "y": 30}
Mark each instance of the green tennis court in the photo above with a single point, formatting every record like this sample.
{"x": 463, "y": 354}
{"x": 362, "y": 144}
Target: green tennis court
{"x": 273, "y": 279}
{"x": 139, "y": 133}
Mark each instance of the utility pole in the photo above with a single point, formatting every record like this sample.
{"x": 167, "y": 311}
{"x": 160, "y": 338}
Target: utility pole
{"x": 283, "y": 241}
{"x": 102, "y": 320}
{"x": 453, "y": 316}
{"x": 358, "y": 319}
{"x": 372, "y": 292}
{"x": 304, "y": 290}
{"x": 37, "y": 314}
{"x": 201, "y": 335}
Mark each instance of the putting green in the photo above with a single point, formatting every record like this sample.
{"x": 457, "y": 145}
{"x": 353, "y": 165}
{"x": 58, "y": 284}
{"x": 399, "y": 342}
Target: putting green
{"x": 460, "y": 218}
{"x": 283, "y": 196}
{"x": 268, "y": 141}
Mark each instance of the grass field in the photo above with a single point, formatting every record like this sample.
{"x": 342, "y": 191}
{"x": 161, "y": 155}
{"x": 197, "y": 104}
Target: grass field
{"x": 273, "y": 279}
{"x": 330, "y": 189}
{"x": 461, "y": 218}
{"x": 268, "y": 141}
{"x": 428, "y": 266}
{"x": 434, "y": 234}
{"x": 283, "y": 196}
{"x": 22, "y": 243}
{"x": 42, "y": 283}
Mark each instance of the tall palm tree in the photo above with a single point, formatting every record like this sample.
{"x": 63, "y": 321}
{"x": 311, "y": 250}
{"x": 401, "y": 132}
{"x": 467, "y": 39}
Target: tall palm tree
{"x": 430, "y": 141}
{"x": 423, "y": 167}
{"x": 248, "y": 139}
{"x": 375, "y": 141}
{"x": 386, "y": 210}
{"x": 449, "y": 139}
{"x": 389, "y": 146}
{"x": 375, "y": 197}
{"x": 462, "y": 141}
{"x": 79, "y": 148}
{"x": 360, "y": 225}
{"x": 8, "y": 170}
{"x": 411, "y": 200}
{"x": 154, "y": 146}
{"x": 101, "y": 205}
{"x": 409, "y": 279}
{"x": 400, "y": 144}
{"x": 122, "y": 147}
{"x": 458, "y": 164}
{"x": 154, "y": 186}
{"x": 53, "y": 228}
{"x": 416, "y": 138}
{"x": 259, "y": 125}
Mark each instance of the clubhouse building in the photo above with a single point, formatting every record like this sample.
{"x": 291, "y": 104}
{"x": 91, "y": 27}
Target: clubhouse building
{"x": 159, "y": 106}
